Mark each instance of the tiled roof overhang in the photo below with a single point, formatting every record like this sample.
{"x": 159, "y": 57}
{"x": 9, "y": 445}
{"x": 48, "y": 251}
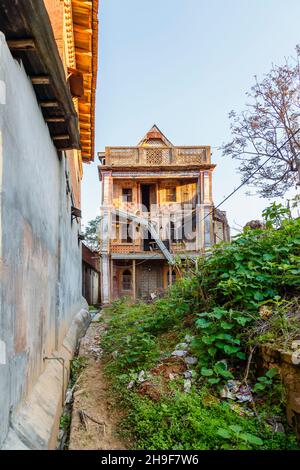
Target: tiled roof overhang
{"x": 29, "y": 35}
{"x": 85, "y": 27}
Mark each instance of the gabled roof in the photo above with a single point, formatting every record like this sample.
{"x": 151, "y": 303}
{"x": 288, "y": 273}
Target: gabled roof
{"x": 155, "y": 138}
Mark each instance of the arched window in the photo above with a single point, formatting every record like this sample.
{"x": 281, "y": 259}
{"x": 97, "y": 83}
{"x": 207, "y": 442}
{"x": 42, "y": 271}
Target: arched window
{"x": 126, "y": 279}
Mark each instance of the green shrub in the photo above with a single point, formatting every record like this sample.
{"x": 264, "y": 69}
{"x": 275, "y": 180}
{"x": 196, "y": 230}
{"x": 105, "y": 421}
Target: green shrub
{"x": 186, "y": 422}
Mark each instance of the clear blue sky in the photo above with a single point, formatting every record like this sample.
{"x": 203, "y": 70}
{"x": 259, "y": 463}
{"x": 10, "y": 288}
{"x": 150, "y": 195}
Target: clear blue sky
{"x": 184, "y": 64}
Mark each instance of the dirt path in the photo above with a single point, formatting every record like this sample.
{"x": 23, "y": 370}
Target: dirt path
{"x": 94, "y": 421}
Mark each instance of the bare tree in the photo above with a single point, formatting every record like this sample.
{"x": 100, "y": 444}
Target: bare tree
{"x": 271, "y": 117}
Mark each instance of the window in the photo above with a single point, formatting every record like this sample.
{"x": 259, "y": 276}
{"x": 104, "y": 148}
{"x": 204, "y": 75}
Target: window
{"x": 171, "y": 195}
{"x": 126, "y": 279}
{"x": 127, "y": 194}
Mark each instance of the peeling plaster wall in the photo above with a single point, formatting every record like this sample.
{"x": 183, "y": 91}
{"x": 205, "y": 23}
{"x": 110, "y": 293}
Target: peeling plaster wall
{"x": 40, "y": 258}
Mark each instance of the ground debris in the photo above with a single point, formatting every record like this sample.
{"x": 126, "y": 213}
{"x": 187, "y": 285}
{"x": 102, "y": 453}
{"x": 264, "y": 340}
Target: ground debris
{"x": 235, "y": 390}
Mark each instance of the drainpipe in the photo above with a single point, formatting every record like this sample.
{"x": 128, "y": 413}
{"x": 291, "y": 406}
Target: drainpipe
{"x": 61, "y": 360}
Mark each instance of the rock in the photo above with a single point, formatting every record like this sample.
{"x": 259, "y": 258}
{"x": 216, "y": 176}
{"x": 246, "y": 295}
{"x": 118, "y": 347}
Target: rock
{"x": 188, "y": 374}
{"x": 190, "y": 360}
{"x": 141, "y": 376}
{"x": 97, "y": 351}
{"x": 179, "y": 353}
{"x": 69, "y": 396}
{"x": 96, "y": 317}
{"x": 131, "y": 384}
{"x": 115, "y": 354}
{"x": 276, "y": 426}
{"x": 187, "y": 385}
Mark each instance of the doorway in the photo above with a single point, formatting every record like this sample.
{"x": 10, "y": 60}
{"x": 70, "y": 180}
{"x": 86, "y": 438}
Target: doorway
{"x": 148, "y": 196}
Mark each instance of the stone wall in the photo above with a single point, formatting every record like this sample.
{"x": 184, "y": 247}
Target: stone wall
{"x": 40, "y": 254}
{"x": 290, "y": 373}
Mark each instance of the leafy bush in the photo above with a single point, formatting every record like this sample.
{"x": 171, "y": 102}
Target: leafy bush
{"x": 232, "y": 298}
{"x": 198, "y": 421}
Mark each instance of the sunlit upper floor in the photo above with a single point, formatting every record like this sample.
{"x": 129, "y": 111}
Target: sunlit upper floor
{"x": 156, "y": 150}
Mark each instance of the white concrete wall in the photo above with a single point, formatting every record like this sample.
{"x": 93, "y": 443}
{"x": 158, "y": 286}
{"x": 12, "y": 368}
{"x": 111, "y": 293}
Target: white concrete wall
{"x": 40, "y": 258}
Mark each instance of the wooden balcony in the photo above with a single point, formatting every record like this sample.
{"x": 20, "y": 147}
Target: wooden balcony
{"x": 156, "y": 156}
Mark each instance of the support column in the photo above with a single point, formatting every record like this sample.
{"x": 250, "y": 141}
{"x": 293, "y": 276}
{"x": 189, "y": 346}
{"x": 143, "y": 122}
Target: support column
{"x": 134, "y": 278}
{"x": 105, "y": 279}
{"x": 170, "y": 275}
{"x": 111, "y": 279}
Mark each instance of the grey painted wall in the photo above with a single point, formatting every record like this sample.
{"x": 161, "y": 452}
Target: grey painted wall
{"x": 40, "y": 258}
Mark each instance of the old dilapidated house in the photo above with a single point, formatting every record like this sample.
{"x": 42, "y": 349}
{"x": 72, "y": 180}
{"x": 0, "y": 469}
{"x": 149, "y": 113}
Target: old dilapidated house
{"x": 48, "y": 68}
{"x": 156, "y": 204}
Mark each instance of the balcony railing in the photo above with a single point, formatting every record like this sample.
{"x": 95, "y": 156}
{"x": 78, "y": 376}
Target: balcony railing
{"x": 156, "y": 156}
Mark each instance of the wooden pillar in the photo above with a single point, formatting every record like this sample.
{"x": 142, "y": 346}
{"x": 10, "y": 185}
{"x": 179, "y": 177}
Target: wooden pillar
{"x": 111, "y": 280}
{"x": 170, "y": 275}
{"x": 134, "y": 278}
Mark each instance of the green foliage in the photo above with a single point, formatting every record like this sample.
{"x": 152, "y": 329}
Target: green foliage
{"x": 134, "y": 329}
{"x": 195, "y": 421}
{"x": 281, "y": 326}
{"x": 220, "y": 337}
{"x": 91, "y": 234}
{"x": 258, "y": 268}
{"x": 221, "y": 298}
{"x": 77, "y": 366}
{"x": 65, "y": 421}
{"x": 266, "y": 381}
{"x": 234, "y": 433}
{"x": 258, "y": 265}
{"x": 275, "y": 214}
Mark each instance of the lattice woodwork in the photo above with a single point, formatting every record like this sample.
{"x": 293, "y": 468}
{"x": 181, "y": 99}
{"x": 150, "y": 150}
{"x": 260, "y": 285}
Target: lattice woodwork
{"x": 157, "y": 156}
{"x": 191, "y": 156}
{"x": 123, "y": 156}
{"x": 124, "y": 249}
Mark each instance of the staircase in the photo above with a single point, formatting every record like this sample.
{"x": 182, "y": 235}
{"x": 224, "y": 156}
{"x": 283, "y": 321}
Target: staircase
{"x": 145, "y": 222}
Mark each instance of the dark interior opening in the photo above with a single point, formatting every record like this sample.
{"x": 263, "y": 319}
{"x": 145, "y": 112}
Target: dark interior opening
{"x": 148, "y": 196}
{"x": 145, "y": 190}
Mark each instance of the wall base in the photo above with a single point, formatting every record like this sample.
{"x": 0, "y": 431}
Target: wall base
{"x": 35, "y": 424}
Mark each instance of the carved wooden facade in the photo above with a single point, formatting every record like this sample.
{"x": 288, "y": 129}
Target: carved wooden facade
{"x": 172, "y": 188}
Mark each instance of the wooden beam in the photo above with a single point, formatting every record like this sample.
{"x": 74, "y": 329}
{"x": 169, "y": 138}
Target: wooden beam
{"x": 49, "y": 104}
{"x": 40, "y": 80}
{"x": 55, "y": 119}
{"x": 61, "y": 137}
{"x": 21, "y": 44}
{"x": 85, "y": 125}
